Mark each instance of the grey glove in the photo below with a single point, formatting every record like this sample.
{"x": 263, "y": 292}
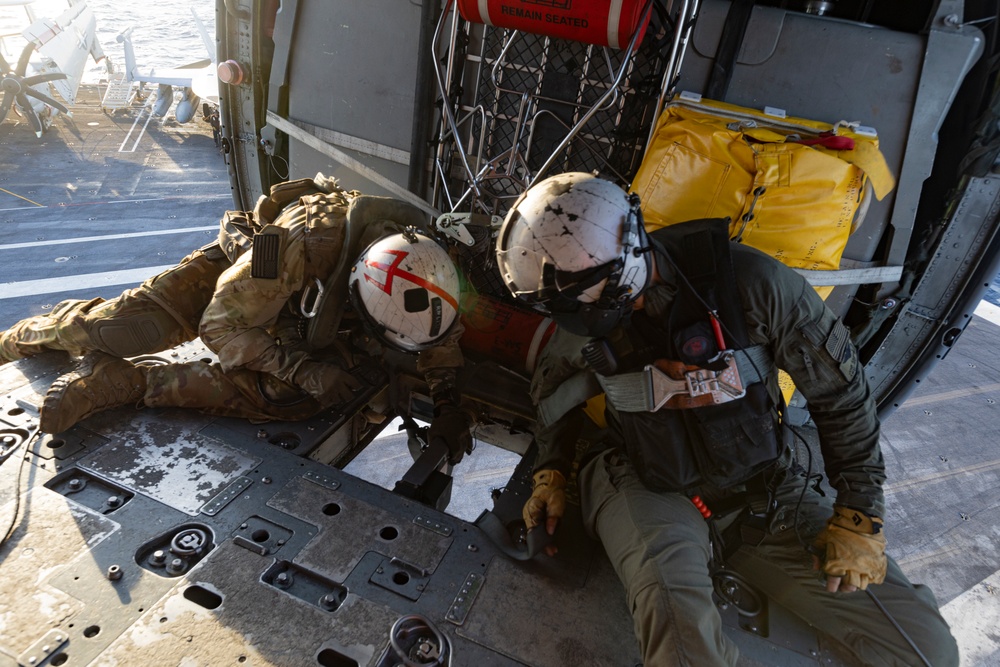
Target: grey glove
{"x": 327, "y": 383}
{"x": 451, "y": 425}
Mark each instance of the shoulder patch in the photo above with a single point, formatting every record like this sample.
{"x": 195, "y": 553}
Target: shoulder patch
{"x": 265, "y": 262}
{"x": 838, "y": 346}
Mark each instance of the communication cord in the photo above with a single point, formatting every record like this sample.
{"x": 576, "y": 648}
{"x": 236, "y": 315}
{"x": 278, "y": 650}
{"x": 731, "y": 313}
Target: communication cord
{"x": 17, "y": 484}
{"x": 899, "y": 628}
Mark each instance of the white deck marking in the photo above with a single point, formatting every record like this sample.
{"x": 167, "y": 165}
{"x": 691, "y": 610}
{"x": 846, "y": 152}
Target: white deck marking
{"x": 974, "y": 616}
{"x": 86, "y": 239}
{"x": 952, "y": 395}
{"x": 129, "y": 277}
{"x": 988, "y": 311}
{"x": 201, "y": 198}
{"x": 146, "y": 109}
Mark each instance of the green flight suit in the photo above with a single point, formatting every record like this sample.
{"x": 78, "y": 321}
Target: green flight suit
{"x": 658, "y": 541}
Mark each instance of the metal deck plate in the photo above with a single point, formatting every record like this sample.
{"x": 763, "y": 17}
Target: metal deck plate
{"x": 165, "y": 459}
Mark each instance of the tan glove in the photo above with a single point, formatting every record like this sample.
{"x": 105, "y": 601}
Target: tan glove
{"x": 852, "y": 546}
{"x": 547, "y": 502}
{"x": 327, "y": 383}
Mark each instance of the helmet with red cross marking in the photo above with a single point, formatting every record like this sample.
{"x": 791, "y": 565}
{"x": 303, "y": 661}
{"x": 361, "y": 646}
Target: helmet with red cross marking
{"x": 407, "y": 288}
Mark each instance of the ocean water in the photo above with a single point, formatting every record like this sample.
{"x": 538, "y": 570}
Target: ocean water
{"x": 164, "y": 34}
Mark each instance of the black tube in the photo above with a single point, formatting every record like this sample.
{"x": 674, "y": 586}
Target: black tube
{"x": 423, "y": 100}
{"x": 899, "y": 628}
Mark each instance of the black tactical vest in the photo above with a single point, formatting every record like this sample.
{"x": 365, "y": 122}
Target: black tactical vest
{"x": 721, "y": 445}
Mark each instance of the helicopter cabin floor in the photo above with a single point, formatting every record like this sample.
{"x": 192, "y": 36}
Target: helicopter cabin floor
{"x": 102, "y": 201}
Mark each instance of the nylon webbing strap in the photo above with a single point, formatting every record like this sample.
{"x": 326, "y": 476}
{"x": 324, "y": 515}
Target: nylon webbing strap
{"x": 310, "y": 139}
{"x": 755, "y": 363}
{"x": 856, "y": 276}
{"x": 629, "y": 392}
{"x": 494, "y": 529}
{"x": 730, "y": 42}
{"x": 633, "y": 392}
{"x": 576, "y": 390}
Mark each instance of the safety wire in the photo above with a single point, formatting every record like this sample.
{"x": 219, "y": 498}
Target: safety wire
{"x": 281, "y": 173}
{"x": 661, "y": 251}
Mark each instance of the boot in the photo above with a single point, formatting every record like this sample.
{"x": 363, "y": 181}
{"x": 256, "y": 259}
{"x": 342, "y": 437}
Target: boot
{"x": 99, "y": 383}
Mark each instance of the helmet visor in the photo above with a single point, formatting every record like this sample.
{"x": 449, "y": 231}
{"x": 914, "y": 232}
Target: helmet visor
{"x": 553, "y": 286}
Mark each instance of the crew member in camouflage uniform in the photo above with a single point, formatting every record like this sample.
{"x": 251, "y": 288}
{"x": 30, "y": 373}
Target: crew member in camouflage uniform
{"x": 162, "y": 312}
{"x": 673, "y": 327}
{"x": 245, "y": 300}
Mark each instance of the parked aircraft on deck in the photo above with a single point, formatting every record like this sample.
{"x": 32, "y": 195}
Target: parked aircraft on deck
{"x": 195, "y": 82}
{"x": 51, "y": 60}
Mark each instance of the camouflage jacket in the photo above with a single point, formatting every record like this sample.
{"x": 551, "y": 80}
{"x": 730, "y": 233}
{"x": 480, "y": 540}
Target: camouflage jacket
{"x": 254, "y": 320}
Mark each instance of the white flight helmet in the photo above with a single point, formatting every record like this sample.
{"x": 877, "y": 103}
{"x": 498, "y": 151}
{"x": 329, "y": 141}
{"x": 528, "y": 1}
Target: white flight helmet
{"x": 574, "y": 246}
{"x": 407, "y": 288}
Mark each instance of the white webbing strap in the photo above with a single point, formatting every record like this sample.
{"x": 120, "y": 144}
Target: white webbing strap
{"x": 633, "y": 389}
{"x": 642, "y": 392}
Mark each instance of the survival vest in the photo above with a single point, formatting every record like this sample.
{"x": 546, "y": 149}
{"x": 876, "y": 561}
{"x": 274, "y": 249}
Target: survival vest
{"x": 331, "y": 241}
{"x": 237, "y": 228}
{"x": 710, "y": 431}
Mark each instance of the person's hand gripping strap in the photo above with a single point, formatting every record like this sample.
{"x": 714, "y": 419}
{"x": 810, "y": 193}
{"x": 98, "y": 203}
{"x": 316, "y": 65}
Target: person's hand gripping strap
{"x": 547, "y": 502}
{"x": 451, "y": 424}
{"x": 852, "y": 550}
{"x": 326, "y": 382}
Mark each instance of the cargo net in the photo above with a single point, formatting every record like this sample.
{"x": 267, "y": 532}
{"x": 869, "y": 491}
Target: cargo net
{"x": 527, "y": 93}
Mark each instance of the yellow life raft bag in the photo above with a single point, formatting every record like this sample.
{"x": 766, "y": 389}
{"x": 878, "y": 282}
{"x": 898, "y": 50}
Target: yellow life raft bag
{"x": 793, "y": 188}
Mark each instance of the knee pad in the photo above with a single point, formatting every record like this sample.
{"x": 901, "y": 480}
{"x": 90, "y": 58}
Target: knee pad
{"x": 144, "y": 333}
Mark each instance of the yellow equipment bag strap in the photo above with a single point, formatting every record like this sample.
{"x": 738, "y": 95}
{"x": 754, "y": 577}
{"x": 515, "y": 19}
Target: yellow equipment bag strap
{"x": 865, "y": 154}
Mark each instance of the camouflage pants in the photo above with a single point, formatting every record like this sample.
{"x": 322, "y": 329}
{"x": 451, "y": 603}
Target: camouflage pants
{"x": 239, "y": 393}
{"x": 162, "y": 312}
{"x": 659, "y": 546}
